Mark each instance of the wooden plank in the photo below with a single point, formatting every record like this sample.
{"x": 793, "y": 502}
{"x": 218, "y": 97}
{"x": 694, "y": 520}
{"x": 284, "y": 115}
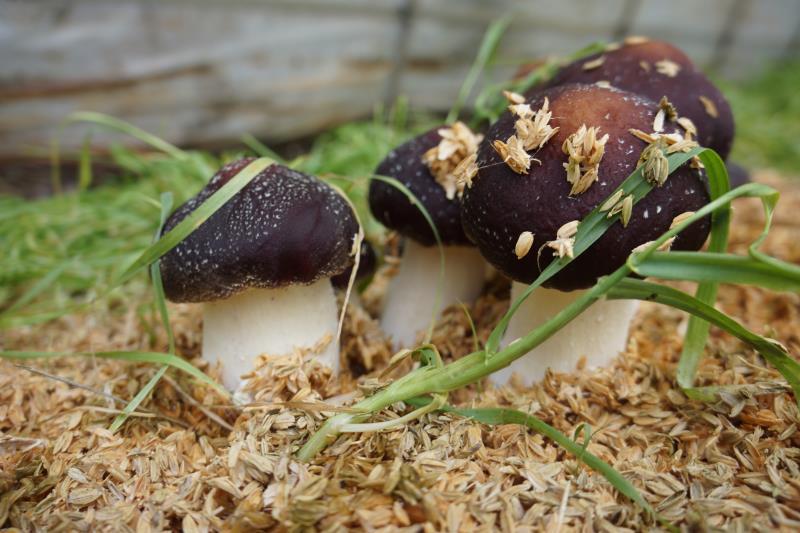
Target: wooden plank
{"x": 446, "y": 34}
{"x": 200, "y": 71}
{"x": 192, "y": 75}
{"x": 763, "y": 35}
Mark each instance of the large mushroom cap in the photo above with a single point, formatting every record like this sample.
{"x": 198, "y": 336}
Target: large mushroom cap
{"x": 655, "y": 69}
{"x": 394, "y": 210}
{"x": 284, "y": 227}
{"x": 501, "y": 204}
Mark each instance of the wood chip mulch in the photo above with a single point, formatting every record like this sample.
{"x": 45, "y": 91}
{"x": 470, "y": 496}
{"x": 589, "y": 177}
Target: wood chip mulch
{"x": 186, "y": 460}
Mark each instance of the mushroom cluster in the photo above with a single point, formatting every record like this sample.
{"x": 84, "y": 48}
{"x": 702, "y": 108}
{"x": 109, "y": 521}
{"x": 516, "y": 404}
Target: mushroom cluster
{"x": 266, "y": 263}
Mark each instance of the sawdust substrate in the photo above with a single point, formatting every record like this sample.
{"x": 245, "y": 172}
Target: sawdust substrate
{"x": 187, "y": 461}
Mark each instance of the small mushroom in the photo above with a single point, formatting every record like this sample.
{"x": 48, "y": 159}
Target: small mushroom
{"x": 411, "y": 295}
{"x": 503, "y": 204}
{"x": 655, "y": 69}
{"x": 261, "y": 265}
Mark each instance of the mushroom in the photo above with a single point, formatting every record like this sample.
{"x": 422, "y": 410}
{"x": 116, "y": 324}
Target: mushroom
{"x": 657, "y": 69}
{"x": 429, "y": 166}
{"x": 261, "y": 265}
{"x": 522, "y": 219}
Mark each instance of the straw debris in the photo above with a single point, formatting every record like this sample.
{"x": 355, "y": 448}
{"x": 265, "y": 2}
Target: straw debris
{"x": 585, "y": 151}
{"x": 444, "y": 160}
{"x": 565, "y": 239}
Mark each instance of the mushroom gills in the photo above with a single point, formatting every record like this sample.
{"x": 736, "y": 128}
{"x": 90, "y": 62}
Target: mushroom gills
{"x": 600, "y": 333}
{"x": 275, "y": 322}
{"x": 411, "y": 296}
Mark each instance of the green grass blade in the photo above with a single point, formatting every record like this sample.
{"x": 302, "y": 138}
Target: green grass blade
{"x": 161, "y": 303}
{"x": 498, "y": 416}
{"x": 772, "y": 352}
{"x": 491, "y": 40}
{"x": 85, "y": 164}
{"x": 132, "y": 356}
{"x": 101, "y": 119}
{"x": 769, "y": 201}
{"x": 171, "y": 239}
{"x": 155, "y": 274}
{"x": 137, "y": 400}
{"x": 36, "y": 289}
{"x": 476, "y": 343}
{"x": 697, "y": 330}
{"x": 721, "y": 268}
{"x": 590, "y": 230}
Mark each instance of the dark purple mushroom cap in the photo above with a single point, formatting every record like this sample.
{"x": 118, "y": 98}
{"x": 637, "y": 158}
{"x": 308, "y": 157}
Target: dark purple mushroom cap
{"x": 502, "y": 204}
{"x": 737, "y": 174}
{"x": 282, "y": 228}
{"x": 367, "y": 262}
{"x": 392, "y": 208}
{"x": 687, "y": 90}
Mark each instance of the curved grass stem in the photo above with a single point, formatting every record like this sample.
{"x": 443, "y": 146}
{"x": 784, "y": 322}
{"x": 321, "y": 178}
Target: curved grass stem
{"x": 462, "y": 372}
{"x": 438, "y": 401}
{"x": 473, "y": 367}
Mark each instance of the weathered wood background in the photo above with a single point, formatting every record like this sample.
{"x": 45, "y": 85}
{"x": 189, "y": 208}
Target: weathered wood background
{"x": 206, "y": 71}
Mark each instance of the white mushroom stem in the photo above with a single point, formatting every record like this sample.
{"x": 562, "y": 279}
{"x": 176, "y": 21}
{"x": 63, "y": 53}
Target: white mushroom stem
{"x": 269, "y": 321}
{"x": 411, "y": 296}
{"x": 600, "y": 333}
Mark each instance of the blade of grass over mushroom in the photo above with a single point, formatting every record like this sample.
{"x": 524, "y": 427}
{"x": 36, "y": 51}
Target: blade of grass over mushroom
{"x": 103, "y": 229}
{"x": 590, "y": 229}
{"x": 439, "y": 286}
{"x": 133, "y": 356}
{"x": 164, "y": 244}
{"x": 772, "y": 351}
{"x": 498, "y": 416}
{"x": 486, "y": 51}
{"x": 171, "y": 239}
{"x": 697, "y": 331}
